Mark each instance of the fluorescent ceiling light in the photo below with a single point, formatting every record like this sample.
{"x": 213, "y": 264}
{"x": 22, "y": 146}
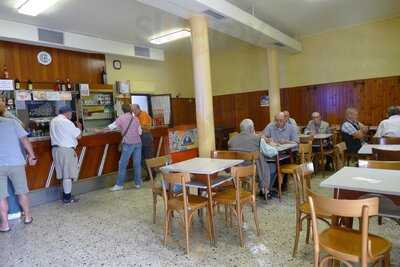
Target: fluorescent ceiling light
{"x": 34, "y": 7}
{"x": 170, "y": 36}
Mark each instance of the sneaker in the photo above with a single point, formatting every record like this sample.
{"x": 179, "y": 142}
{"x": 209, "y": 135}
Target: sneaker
{"x": 70, "y": 200}
{"x": 137, "y": 186}
{"x": 116, "y": 188}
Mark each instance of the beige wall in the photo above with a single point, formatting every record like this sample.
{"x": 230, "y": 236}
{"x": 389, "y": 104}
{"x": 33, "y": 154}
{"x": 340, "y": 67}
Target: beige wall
{"x": 359, "y": 52}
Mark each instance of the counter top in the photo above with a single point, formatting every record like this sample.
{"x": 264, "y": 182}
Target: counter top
{"x": 85, "y": 133}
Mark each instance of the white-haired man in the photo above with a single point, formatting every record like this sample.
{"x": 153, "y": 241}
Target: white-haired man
{"x": 247, "y": 140}
{"x": 353, "y": 131}
{"x": 317, "y": 125}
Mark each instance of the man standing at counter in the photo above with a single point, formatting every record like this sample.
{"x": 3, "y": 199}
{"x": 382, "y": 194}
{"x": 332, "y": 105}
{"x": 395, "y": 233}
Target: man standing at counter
{"x": 147, "y": 138}
{"x": 64, "y": 139}
{"x": 12, "y": 166}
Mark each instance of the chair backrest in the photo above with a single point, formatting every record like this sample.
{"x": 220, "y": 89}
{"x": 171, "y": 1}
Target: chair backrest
{"x": 385, "y": 140}
{"x": 305, "y": 152}
{"x": 360, "y": 208}
{"x": 302, "y": 183}
{"x": 339, "y": 155}
{"x": 230, "y": 154}
{"x": 306, "y": 139}
{"x": 379, "y": 164}
{"x": 388, "y": 155}
{"x": 169, "y": 181}
{"x": 241, "y": 173}
{"x": 154, "y": 164}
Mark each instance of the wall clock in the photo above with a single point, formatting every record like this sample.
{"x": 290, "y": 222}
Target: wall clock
{"x": 44, "y": 58}
{"x": 117, "y": 64}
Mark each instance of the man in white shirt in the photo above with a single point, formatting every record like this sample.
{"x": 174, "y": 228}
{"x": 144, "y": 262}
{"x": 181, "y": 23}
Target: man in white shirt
{"x": 64, "y": 139}
{"x": 391, "y": 126}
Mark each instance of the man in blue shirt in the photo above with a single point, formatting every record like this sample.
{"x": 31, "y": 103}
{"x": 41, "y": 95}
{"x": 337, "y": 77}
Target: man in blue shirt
{"x": 12, "y": 166}
{"x": 280, "y": 131}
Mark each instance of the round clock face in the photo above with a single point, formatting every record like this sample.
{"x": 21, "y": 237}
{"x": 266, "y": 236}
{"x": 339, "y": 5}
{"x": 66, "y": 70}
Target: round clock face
{"x": 44, "y": 58}
{"x": 117, "y": 64}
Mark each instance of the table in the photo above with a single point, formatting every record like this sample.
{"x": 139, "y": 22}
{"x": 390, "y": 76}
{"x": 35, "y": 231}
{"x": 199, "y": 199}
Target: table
{"x": 366, "y": 149}
{"x": 207, "y": 167}
{"x": 353, "y": 183}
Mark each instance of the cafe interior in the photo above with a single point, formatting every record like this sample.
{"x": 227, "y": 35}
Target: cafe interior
{"x": 275, "y": 131}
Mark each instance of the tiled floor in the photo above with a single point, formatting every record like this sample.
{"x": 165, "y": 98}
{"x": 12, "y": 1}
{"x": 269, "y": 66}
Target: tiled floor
{"x": 115, "y": 229}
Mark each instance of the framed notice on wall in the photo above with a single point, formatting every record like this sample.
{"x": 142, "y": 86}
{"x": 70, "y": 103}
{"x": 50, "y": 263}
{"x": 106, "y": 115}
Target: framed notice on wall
{"x": 161, "y": 109}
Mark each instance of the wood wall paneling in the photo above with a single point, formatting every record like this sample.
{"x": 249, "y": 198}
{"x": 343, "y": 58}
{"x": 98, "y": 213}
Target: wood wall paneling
{"x": 21, "y": 62}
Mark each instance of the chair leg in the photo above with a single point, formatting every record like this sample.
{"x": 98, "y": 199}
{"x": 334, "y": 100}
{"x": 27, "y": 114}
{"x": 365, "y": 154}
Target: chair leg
{"x": 280, "y": 186}
{"x": 380, "y": 220}
{"x": 240, "y": 225}
{"x": 226, "y": 214}
{"x": 256, "y": 218}
{"x": 187, "y": 234}
{"x": 308, "y": 230}
{"x": 166, "y": 226}
{"x": 296, "y": 240}
{"x": 210, "y": 235}
{"x": 154, "y": 208}
{"x": 387, "y": 259}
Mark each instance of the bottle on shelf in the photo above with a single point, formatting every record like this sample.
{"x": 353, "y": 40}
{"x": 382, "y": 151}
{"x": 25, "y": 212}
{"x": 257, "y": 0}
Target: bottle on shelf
{"x": 5, "y": 72}
{"x": 104, "y": 76}
{"x": 69, "y": 85}
{"x": 63, "y": 86}
{"x": 17, "y": 84}
{"x": 30, "y": 85}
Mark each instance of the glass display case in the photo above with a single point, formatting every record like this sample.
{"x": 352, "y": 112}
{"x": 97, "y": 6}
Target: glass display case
{"x": 98, "y": 109}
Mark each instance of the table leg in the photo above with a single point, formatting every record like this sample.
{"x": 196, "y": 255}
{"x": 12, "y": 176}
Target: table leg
{"x": 210, "y": 202}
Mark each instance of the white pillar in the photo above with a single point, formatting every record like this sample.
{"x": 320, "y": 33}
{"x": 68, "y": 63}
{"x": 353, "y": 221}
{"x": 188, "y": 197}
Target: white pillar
{"x": 274, "y": 86}
{"x": 202, "y": 84}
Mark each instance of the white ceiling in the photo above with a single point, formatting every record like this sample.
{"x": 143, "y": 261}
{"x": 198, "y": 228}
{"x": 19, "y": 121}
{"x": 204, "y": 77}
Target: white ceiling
{"x": 134, "y": 22}
{"x": 305, "y": 17}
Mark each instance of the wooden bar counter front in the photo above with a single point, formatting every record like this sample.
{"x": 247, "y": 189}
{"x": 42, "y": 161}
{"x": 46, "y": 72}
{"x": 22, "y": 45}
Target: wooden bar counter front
{"x": 97, "y": 153}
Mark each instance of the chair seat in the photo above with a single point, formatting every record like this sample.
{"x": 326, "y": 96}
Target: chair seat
{"x": 229, "y": 196}
{"x": 195, "y": 202}
{"x": 288, "y": 168}
{"x": 347, "y": 242}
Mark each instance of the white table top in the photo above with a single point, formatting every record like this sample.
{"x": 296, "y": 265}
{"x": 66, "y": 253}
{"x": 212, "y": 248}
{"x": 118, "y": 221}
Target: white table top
{"x": 202, "y": 165}
{"x": 366, "y": 149}
{"x": 365, "y": 180}
{"x": 317, "y": 136}
{"x": 283, "y": 147}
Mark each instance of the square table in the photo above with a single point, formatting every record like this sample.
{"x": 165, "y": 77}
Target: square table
{"x": 366, "y": 149}
{"x": 207, "y": 167}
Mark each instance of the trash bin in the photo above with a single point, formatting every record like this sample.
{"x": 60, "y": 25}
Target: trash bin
{"x": 14, "y": 210}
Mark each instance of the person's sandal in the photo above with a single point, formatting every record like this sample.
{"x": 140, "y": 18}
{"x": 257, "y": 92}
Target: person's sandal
{"x": 28, "y": 222}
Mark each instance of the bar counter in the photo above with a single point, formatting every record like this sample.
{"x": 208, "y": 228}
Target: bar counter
{"x": 97, "y": 152}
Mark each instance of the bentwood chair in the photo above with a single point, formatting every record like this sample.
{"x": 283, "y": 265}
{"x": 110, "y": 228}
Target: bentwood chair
{"x": 387, "y": 155}
{"x": 385, "y": 140}
{"x": 238, "y": 197}
{"x": 387, "y": 208}
{"x": 302, "y": 184}
{"x": 185, "y": 205}
{"x": 153, "y": 168}
{"x": 343, "y": 244}
{"x": 305, "y": 155}
{"x": 339, "y": 159}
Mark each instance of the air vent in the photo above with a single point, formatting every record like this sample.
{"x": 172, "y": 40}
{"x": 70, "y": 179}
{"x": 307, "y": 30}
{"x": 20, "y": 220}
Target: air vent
{"x": 278, "y": 44}
{"x": 213, "y": 14}
{"x": 51, "y": 36}
{"x": 142, "y": 51}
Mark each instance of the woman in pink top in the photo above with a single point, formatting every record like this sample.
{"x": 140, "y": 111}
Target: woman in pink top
{"x": 130, "y": 129}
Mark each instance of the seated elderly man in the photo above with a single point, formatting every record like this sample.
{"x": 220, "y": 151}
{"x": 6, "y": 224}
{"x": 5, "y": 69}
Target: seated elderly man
{"x": 291, "y": 121}
{"x": 317, "y": 125}
{"x": 391, "y": 126}
{"x": 280, "y": 131}
{"x": 353, "y": 131}
{"x": 248, "y": 141}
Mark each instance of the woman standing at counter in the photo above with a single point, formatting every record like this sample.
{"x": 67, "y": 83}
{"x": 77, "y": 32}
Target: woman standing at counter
{"x": 12, "y": 166}
{"x": 130, "y": 129}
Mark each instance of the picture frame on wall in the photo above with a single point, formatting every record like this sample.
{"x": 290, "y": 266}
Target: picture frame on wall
{"x": 117, "y": 64}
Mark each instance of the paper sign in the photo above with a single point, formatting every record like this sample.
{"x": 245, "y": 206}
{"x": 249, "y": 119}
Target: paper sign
{"x": 84, "y": 89}
{"x": 52, "y": 96}
{"x": 65, "y": 96}
{"x": 39, "y": 95}
{"x": 23, "y": 95}
{"x": 6, "y": 85}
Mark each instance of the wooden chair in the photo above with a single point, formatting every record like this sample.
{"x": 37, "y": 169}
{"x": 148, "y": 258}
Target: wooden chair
{"x": 237, "y": 198}
{"x": 387, "y": 208}
{"x": 185, "y": 205}
{"x": 385, "y": 140}
{"x": 305, "y": 155}
{"x": 302, "y": 184}
{"x": 153, "y": 167}
{"x": 343, "y": 244}
{"x": 306, "y": 139}
{"x": 387, "y": 155}
{"x": 340, "y": 156}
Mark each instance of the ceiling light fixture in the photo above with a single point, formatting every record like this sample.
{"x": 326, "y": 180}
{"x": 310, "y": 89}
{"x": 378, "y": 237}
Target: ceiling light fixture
{"x": 34, "y": 7}
{"x": 170, "y": 36}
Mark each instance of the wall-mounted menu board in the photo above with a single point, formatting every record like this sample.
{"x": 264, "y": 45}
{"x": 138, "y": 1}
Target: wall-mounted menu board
{"x": 161, "y": 109}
